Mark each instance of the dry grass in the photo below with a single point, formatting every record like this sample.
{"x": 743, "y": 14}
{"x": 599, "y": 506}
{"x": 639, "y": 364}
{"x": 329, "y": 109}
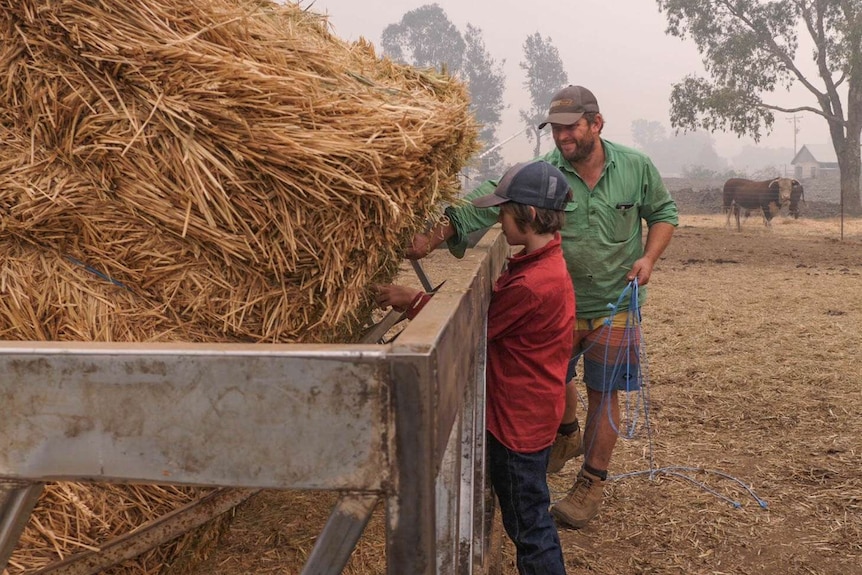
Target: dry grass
{"x": 73, "y": 518}
{"x": 753, "y": 347}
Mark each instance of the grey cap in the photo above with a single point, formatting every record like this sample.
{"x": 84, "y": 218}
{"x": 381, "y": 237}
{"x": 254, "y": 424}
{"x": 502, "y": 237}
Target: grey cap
{"x": 569, "y": 104}
{"x": 537, "y": 184}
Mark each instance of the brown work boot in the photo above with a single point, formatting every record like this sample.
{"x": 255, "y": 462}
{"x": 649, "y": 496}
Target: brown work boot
{"x": 565, "y": 447}
{"x": 582, "y": 503}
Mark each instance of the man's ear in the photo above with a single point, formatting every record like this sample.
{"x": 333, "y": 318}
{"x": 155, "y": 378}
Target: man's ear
{"x": 532, "y": 213}
{"x": 600, "y": 122}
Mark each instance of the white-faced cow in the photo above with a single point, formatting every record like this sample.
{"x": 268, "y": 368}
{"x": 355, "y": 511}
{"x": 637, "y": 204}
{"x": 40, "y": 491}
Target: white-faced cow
{"x": 768, "y": 196}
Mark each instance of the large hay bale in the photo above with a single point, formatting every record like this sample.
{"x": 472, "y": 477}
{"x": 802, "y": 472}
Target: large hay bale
{"x": 210, "y": 171}
{"x": 230, "y": 161}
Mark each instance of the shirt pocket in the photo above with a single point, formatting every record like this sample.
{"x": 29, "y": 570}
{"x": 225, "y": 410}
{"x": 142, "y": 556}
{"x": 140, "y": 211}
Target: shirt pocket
{"x": 625, "y": 220}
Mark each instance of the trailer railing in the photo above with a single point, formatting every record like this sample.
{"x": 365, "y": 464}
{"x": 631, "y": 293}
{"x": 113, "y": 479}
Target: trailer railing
{"x": 401, "y": 422}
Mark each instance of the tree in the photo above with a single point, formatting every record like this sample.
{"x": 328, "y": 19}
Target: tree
{"x": 750, "y": 49}
{"x": 678, "y": 153}
{"x": 545, "y": 77}
{"x": 426, "y": 37}
{"x": 761, "y": 162}
{"x": 486, "y": 82}
{"x": 647, "y": 133}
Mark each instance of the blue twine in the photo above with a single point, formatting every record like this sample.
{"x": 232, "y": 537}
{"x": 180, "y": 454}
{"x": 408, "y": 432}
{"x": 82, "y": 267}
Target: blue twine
{"x": 676, "y": 471}
{"x": 97, "y": 273}
{"x": 634, "y": 340}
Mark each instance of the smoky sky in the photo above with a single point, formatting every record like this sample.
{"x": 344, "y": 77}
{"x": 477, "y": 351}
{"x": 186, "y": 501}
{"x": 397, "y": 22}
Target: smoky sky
{"x": 616, "y": 48}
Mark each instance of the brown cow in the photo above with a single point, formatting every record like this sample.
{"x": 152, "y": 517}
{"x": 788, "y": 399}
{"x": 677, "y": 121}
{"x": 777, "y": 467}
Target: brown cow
{"x": 768, "y": 196}
{"x": 797, "y": 195}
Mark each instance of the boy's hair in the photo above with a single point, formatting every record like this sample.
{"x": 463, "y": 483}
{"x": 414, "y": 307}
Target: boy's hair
{"x": 545, "y": 222}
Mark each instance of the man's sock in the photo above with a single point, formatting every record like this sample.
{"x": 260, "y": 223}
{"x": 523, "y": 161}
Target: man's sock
{"x": 569, "y": 428}
{"x": 601, "y": 474}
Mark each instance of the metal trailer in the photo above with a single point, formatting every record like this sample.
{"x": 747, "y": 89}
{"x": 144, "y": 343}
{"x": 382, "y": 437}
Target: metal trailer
{"x": 402, "y": 422}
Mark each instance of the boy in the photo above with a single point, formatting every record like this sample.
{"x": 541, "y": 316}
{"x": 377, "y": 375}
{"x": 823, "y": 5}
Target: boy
{"x": 530, "y": 321}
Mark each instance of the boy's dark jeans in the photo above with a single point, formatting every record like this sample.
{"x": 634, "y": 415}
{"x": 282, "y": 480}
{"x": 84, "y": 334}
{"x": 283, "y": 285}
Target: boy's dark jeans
{"x": 521, "y": 486}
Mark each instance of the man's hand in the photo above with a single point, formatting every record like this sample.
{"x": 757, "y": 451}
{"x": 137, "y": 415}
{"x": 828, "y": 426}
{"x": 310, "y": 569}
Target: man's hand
{"x": 641, "y": 269}
{"x": 424, "y": 244}
{"x": 658, "y": 238}
{"x": 420, "y": 247}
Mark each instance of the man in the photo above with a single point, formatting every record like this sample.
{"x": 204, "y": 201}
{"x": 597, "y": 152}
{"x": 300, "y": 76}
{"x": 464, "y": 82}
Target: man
{"x": 615, "y": 190}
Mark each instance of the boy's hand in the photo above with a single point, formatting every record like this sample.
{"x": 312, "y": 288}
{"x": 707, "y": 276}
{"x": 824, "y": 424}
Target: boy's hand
{"x": 396, "y": 296}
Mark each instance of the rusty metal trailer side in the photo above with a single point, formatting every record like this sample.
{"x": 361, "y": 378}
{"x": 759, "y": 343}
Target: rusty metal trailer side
{"x": 402, "y": 421}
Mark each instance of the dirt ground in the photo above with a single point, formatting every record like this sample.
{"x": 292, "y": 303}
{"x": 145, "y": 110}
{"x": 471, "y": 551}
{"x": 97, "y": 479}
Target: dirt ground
{"x": 753, "y": 351}
{"x": 751, "y": 460}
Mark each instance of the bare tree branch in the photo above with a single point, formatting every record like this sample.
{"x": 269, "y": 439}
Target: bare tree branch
{"x": 811, "y": 109}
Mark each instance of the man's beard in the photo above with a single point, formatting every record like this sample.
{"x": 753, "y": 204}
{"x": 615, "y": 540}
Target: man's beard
{"x": 582, "y": 151}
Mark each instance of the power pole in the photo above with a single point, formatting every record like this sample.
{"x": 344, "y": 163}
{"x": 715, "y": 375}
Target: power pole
{"x": 793, "y": 119}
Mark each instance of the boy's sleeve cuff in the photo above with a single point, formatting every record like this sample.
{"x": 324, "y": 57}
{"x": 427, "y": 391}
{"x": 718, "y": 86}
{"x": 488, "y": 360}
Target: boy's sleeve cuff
{"x": 417, "y": 304}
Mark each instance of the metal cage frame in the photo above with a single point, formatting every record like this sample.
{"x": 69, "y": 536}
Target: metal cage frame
{"x": 402, "y": 422}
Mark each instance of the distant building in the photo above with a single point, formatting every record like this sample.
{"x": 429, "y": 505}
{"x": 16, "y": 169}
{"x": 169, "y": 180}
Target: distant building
{"x": 815, "y": 161}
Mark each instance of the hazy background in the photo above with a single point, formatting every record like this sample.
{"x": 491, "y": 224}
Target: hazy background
{"x": 616, "y": 48}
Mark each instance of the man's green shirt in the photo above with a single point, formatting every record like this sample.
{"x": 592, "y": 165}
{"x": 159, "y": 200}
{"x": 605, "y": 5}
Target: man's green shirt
{"x": 603, "y": 233}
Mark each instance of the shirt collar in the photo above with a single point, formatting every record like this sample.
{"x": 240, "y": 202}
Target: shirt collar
{"x": 522, "y": 258}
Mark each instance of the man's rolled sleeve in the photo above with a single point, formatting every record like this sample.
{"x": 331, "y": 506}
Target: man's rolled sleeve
{"x": 466, "y": 218}
{"x": 659, "y": 206}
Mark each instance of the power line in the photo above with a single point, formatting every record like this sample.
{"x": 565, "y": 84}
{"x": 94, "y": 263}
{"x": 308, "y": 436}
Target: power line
{"x": 794, "y": 119}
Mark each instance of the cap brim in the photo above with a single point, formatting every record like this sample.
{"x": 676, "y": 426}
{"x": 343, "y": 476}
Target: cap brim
{"x": 488, "y": 201}
{"x": 565, "y": 119}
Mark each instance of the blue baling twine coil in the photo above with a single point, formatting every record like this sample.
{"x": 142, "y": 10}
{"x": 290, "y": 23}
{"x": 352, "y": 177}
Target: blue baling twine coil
{"x": 638, "y": 373}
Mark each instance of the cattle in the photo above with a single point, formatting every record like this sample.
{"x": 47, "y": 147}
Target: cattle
{"x": 768, "y": 196}
{"x": 797, "y": 195}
